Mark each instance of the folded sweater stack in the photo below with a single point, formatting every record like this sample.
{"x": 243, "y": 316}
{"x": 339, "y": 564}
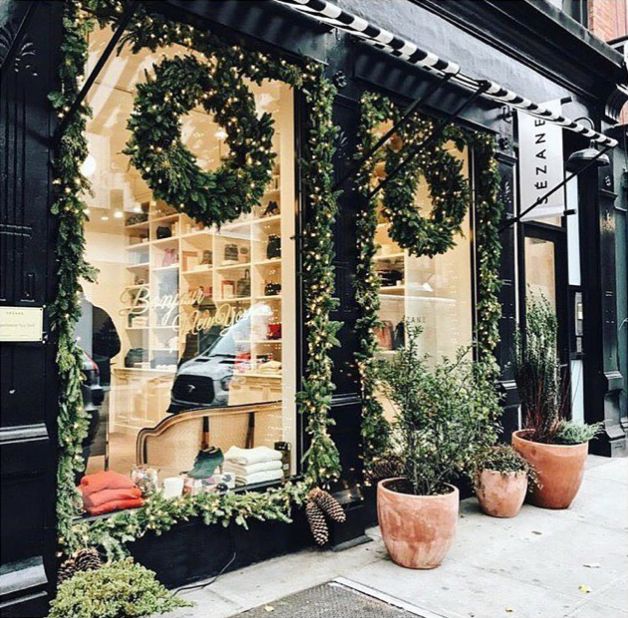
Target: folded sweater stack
{"x": 253, "y": 465}
{"x": 104, "y": 492}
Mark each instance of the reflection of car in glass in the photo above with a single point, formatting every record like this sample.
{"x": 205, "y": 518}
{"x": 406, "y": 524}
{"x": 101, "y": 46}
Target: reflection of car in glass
{"x": 204, "y": 380}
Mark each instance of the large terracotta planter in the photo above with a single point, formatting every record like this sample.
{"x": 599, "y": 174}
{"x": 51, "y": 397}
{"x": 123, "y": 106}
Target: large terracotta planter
{"x": 501, "y": 494}
{"x": 559, "y": 468}
{"x": 417, "y": 530}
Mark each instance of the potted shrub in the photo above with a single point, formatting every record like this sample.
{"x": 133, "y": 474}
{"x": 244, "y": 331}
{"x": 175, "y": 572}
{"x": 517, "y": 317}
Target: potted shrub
{"x": 443, "y": 415}
{"x": 501, "y": 480}
{"x": 556, "y": 447}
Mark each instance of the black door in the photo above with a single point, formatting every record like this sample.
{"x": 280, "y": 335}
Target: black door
{"x": 543, "y": 269}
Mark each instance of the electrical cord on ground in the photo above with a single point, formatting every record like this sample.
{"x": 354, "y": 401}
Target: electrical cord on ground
{"x": 209, "y": 582}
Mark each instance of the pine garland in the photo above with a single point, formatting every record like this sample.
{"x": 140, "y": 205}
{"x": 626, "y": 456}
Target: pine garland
{"x": 321, "y": 462}
{"x": 423, "y": 237}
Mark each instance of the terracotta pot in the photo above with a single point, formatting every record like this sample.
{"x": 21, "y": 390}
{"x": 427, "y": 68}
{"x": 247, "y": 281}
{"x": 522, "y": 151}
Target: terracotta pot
{"x": 417, "y": 530}
{"x": 501, "y": 494}
{"x": 559, "y": 468}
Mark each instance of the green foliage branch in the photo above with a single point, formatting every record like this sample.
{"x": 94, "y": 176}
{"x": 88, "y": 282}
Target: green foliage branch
{"x": 321, "y": 462}
{"x": 122, "y": 589}
{"x": 543, "y": 392}
{"x": 377, "y": 109}
{"x": 446, "y": 413}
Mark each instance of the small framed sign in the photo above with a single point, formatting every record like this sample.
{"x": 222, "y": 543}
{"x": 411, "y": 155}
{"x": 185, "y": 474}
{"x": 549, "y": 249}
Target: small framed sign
{"x": 19, "y": 324}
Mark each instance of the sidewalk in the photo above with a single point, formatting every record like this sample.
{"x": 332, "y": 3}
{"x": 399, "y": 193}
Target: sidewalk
{"x": 542, "y": 564}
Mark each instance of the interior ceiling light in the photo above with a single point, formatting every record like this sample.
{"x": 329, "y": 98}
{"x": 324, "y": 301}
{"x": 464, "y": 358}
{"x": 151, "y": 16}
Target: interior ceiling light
{"x": 118, "y": 214}
{"x": 88, "y": 167}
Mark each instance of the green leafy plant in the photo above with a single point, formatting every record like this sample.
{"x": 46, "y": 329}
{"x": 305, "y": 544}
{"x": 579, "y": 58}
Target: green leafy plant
{"x": 444, "y": 415}
{"x": 569, "y": 432}
{"x": 543, "y": 392}
{"x": 504, "y": 459}
{"x": 120, "y": 589}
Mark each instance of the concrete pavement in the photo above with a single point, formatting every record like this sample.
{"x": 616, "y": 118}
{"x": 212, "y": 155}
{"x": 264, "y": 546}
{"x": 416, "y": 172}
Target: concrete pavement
{"x": 541, "y": 564}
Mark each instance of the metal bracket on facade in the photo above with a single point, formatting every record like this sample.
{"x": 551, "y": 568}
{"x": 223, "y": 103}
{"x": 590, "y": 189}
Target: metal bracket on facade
{"x": 384, "y": 138}
{"x": 483, "y": 86}
{"x": 122, "y": 24}
{"x": 512, "y": 220}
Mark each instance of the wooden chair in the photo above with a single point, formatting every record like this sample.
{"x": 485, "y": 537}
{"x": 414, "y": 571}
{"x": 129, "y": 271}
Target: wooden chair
{"x": 172, "y": 444}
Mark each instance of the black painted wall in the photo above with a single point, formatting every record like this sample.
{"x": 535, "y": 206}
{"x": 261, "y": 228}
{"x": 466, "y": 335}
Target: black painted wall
{"x": 27, "y": 237}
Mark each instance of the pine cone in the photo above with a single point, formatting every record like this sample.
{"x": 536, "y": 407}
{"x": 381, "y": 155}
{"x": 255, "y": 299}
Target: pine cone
{"x": 66, "y": 570}
{"x": 87, "y": 559}
{"x": 318, "y": 525}
{"x": 328, "y": 504}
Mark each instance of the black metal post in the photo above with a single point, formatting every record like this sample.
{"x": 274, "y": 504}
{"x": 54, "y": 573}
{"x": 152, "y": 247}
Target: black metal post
{"x": 483, "y": 86}
{"x": 553, "y": 190}
{"x": 122, "y": 24}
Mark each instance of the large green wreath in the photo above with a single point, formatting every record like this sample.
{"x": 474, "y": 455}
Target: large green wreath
{"x": 171, "y": 170}
{"x": 321, "y": 461}
{"x": 423, "y": 233}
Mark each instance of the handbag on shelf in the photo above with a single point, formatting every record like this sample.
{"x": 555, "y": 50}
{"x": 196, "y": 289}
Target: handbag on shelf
{"x": 274, "y": 331}
{"x": 273, "y": 248}
{"x": 163, "y": 231}
{"x": 272, "y": 289}
{"x": 135, "y": 356}
{"x": 390, "y": 277}
{"x": 170, "y": 257}
{"x": 231, "y": 252}
{"x": 206, "y": 260}
{"x": 271, "y": 209}
{"x": 399, "y": 336}
{"x": 243, "y": 285}
{"x": 385, "y": 335}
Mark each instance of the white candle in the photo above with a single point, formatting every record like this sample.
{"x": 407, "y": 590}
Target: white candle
{"x": 173, "y": 486}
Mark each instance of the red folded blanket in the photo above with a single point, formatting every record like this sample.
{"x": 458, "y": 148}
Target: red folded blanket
{"x": 108, "y": 495}
{"x": 92, "y": 483}
{"x": 115, "y": 505}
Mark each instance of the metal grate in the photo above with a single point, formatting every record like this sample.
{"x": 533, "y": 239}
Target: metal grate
{"x": 329, "y": 600}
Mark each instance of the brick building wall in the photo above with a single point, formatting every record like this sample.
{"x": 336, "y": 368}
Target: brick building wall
{"x": 608, "y": 20}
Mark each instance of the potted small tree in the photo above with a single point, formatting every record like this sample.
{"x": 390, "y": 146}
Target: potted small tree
{"x": 501, "y": 480}
{"x": 556, "y": 447}
{"x": 443, "y": 415}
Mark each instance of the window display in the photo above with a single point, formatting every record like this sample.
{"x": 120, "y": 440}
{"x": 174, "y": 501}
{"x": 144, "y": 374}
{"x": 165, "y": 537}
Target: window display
{"x": 192, "y": 329}
{"x": 436, "y": 291}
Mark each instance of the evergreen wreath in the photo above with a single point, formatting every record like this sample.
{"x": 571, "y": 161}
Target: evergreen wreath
{"x": 425, "y": 234}
{"x": 321, "y": 462}
{"x": 171, "y": 170}
{"x": 489, "y": 209}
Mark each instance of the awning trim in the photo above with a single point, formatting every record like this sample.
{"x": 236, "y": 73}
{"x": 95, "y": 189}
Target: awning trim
{"x": 398, "y": 47}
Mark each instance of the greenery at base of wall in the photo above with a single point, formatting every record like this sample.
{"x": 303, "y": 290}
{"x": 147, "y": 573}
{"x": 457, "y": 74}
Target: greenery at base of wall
{"x": 321, "y": 461}
{"x": 421, "y": 235}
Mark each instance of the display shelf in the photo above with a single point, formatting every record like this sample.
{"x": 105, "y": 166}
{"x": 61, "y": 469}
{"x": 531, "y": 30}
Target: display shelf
{"x": 160, "y": 269}
{"x": 390, "y": 256}
{"x": 142, "y": 265}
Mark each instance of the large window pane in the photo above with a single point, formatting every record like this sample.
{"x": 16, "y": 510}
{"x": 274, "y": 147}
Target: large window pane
{"x": 184, "y": 317}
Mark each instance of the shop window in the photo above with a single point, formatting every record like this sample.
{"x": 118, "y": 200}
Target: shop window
{"x": 435, "y": 292}
{"x": 191, "y": 329}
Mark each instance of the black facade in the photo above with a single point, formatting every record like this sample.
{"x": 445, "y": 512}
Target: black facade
{"x": 526, "y": 45}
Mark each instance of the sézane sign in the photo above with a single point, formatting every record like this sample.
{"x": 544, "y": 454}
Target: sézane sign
{"x": 541, "y": 165}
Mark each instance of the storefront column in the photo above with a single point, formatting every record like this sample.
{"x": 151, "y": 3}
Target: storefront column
{"x": 603, "y": 381}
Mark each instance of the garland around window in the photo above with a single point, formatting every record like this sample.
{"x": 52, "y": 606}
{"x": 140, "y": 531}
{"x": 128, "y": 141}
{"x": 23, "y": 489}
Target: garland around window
{"x": 421, "y": 235}
{"x": 212, "y": 198}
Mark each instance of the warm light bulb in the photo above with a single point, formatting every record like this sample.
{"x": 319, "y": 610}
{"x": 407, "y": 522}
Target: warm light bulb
{"x": 221, "y": 134}
{"x": 118, "y": 214}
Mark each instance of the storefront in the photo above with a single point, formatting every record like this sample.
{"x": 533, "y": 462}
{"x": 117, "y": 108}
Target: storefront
{"x": 243, "y": 257}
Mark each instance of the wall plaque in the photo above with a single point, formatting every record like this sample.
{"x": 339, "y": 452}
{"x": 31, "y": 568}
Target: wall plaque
{"x": 21, "y": 324}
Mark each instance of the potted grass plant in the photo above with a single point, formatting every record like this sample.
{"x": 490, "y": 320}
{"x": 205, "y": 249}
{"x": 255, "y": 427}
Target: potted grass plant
{"x": 443, "y": 413}
{"x": 501, "y": 479}
{"x": 555, "y": 446}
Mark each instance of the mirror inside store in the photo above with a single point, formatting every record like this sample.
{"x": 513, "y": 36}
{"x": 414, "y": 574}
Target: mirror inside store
{"x": 188, "y": 333}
